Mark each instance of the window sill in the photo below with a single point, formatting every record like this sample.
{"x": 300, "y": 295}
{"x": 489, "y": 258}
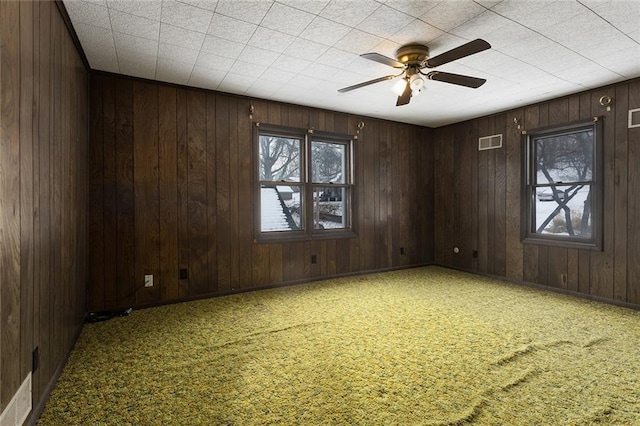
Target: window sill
{"x": 287, "y": 237}
{"x": 563, "y": 243}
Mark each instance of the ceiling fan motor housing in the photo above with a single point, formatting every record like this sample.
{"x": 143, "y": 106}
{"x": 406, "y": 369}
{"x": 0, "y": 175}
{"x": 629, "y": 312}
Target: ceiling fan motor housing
{"x": 412, "y": 54}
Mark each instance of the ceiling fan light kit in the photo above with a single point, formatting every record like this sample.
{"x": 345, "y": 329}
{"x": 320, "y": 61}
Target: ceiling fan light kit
{"x": 412, "y": 59}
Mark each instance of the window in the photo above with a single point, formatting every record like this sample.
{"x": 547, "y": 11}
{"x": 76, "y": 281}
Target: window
{"x": 563, "y": 185}
{"x": 304, "y": 184}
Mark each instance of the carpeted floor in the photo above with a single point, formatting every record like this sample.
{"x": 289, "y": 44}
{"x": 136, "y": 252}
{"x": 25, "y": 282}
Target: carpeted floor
{"x": 425, "y": 346}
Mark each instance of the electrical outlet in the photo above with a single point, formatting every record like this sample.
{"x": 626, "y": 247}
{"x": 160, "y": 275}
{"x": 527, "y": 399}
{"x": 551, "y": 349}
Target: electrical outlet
{"x": 148, "y": 280}
{"x": 314, "y": 258}
{"x": 474, "y": 254}
{"x": 401, "y": 250}
{"x": 184, "y": 273}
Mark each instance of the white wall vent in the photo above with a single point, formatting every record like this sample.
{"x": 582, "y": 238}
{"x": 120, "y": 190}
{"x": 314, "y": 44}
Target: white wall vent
{"x": 19, "y": 407}
{"x": 490, "y": 142}
{"x": 634, "y": 118}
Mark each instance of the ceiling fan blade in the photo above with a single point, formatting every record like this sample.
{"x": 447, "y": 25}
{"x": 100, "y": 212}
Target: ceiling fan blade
{"x": 460, "y": 80}
{"x": 382, "y": 59}
{"x": 475, "y": 46}
{"x": 366, "y": 83}
{"x": 406, "y": 95}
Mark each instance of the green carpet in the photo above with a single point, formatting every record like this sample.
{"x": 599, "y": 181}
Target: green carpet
{"x": 425, "y": 346}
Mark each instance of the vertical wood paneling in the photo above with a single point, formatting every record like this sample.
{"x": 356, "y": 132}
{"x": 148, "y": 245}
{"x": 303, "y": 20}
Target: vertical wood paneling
{"x": 197, "y": 193}
{"x": 483, "y": 195}
{"x": 147, "y": 209}
{"x": 212, "y": 274}
{"x": 499, "y": 201}
{"x": 109, "y": 215}
{"x": 513, "y": 147}
{"x": 620, "y": 197}
{"x": 602, "y": 261}
{"x": 183, "y": 187}
{"x": 27, "y": 246}
{"x": 168, "y": 192}
{"x": 10, "y": 202}
{"x": 633, "y": 191}
{"x": 42, "y": 183}
{"x": 222, "y": 193}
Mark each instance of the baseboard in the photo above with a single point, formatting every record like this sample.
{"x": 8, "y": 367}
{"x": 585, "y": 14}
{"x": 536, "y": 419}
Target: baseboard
{"x": 548, "y": 288}
{"x": 37, "y": 408}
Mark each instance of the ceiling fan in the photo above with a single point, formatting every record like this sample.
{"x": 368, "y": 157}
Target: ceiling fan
{"x": 412, "y": 59}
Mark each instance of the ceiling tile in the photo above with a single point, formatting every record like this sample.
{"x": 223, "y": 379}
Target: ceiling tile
{"x": 416, "y": 32}
{"x": 88, "y": 13}
{"x": 180, "y": 36}
{"x": 103, "y": 62}
{"x": 415, "y": 8}
{"x": 337, "y": 58}
{"x": 480, "y": 25}
{"x": 135, "y": 57}
{"x": 516, "y": 9}
{"x": 276, "y": 75}
{"x": 206, "y": 77}
{"x": 320, "y": 71}
{"x": 177, "y": 53}
{"x": 235, "y": 83}
{"x": 358, "y": 42}
{"x": 385, "y": 22}
{"x": 286, "y": 19}
{"x": 94, "y": 38}
{"x": 138, "y": 69}
{"x": 289, "y": 63}
{"x": 221, "y": 47}
{"x": 349, "y": 12}
{"x": 555, "y": 13}
{"x": 134, "y": 25}
{"x": 324, "y": 31}
{"x": 247, "y": 69}
{"x": 186, "y": 16}
{"x": 509, "y": 34}
{"x": 624, "y": 15}
{"x": 214, "y": 62}
{"x": 270, "y": 40}
{"x": 135, "y": 44}
{"x": 450, "y": 14}
{"x": 305, "y": 81}
{"x": 254, "y": 55}
{"x": 173, "y": 71}
{"x": 311, "y": 6}
{"x": 150, "y": 9}
{"x": 202, "y": 4}
{"x": 231, "y": 28}
{"x": 305, "y": 49}
{"x": 246, "y": 10}
{"x": 264, "y": 89}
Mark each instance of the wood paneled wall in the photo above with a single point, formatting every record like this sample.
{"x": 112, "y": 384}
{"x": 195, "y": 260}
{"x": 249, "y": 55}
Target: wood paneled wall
{"x": 171, "y": 187}
{"x": 43, "y": 140}
{"x": 481, "y": 208}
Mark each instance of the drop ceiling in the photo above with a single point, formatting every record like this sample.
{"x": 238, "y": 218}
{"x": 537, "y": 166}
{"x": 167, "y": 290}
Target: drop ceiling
{"x": 303, "y": 51}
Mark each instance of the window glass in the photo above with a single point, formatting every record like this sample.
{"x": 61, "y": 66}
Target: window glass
{"x": 279, "y": 158}
{"x": 281, "y": 208}
{"x": 565, "y": 157}
{"x": 329, "y": 207}
{"x": 564, "y": 210}
{"x": 327, "y": 162}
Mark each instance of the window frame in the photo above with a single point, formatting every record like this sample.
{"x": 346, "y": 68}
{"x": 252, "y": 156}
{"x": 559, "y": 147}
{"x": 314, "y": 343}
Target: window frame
{"x": 530, "y": 188}
{"x": 306, "y": 137}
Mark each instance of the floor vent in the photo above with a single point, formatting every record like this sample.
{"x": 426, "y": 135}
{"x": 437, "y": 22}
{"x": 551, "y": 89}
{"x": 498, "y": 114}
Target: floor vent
{"x": 634, "y": 118}
{"x": 19, "y": 407}
{"x": 490, "y": 142}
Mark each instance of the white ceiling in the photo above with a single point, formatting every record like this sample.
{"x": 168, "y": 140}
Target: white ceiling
{"x": 303, "y": 51}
